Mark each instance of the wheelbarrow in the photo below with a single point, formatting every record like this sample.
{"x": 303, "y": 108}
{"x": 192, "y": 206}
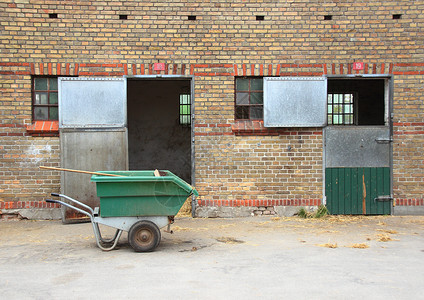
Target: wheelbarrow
{"x": 134, "y": 201}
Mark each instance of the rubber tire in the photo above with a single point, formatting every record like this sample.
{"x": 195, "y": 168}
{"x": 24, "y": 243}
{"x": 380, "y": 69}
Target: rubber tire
{"x": 144, "y": 230}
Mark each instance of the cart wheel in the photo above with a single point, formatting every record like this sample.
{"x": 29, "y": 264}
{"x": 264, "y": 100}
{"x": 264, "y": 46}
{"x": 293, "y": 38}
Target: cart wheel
{"x": 144, "y": 236}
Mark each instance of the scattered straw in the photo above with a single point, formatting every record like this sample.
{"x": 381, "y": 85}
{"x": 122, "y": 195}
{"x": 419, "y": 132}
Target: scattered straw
{"x": 359, "y": 246}
{"x": 388, "y": 231}
{"x": 229, "y": 240}
{"x": 384, "y": 238}
{"x": 328, "y": 245}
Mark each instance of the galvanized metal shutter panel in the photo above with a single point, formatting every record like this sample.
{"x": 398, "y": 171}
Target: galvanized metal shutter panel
{"x": 295, "y": 102}
{"x": 92, "y": 102}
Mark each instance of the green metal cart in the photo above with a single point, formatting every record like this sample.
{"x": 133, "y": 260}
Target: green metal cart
{"x": 138, "y": 202}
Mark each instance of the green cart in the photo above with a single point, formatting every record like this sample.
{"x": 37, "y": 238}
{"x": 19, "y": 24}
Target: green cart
{"x": 139, "y": 202}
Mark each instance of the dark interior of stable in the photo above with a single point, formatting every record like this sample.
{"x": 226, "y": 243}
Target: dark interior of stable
{"x": 156, "y": 137}
{"x": 369, "y": 98}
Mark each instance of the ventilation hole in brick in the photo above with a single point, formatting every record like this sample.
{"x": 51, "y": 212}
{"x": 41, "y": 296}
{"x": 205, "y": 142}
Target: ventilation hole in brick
{"x": 53, "y": 16}
{"x": 191, "y": 18}
{"x": 260, "y": 18}
{"x": 123, "y": 17}
{"x": 328, "y": 17}
{"x": 397, "y": 16}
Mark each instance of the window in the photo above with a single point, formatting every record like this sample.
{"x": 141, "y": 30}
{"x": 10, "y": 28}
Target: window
{"x": 185, "y": 110}
{"x": 44, "y": 98}
{"x": 249, "y": 98}
{"x": 340, "y": 109}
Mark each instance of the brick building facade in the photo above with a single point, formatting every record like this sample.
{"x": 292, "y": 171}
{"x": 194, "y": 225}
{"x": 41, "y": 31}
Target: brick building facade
{"x": 238, "y": 164}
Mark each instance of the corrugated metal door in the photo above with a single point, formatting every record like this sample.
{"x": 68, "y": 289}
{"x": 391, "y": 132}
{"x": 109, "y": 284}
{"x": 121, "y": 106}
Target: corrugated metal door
{"x": 358, "y": 190}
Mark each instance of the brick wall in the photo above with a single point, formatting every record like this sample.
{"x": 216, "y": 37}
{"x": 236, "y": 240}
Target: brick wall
{"x": 236, "y": 164}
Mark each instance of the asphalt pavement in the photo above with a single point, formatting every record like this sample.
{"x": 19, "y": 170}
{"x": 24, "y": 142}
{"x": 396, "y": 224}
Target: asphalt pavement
{"x": 243, "y": 258}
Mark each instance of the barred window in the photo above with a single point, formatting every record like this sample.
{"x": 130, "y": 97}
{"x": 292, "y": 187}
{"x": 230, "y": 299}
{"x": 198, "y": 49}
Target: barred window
{"x": 340, "y": 109}
{"x": 185, "y": 110}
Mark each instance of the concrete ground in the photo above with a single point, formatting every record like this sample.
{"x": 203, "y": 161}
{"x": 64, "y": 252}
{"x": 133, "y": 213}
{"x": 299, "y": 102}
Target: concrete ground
{"x": 246, "y": 258}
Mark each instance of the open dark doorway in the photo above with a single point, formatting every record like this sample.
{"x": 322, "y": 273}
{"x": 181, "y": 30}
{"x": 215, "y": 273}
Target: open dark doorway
{"x": 159, "y": 125}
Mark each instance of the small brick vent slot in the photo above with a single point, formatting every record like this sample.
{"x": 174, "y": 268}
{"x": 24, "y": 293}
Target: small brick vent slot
{"x": 397, "y": 17}
{"x": 328, "y": 17}
{"x": 53, "y": 16}
{"x": 260, "y": 18}
{"x": 123, "y": 17}
{"x": 191, "y": 18}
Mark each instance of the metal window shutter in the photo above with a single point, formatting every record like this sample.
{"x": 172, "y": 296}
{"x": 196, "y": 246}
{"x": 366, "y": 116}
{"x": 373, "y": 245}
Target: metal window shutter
{"x": 295, "y": 101}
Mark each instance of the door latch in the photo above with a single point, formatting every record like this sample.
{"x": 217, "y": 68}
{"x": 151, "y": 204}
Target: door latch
{"x": 384, "y": 198}
{"x": 384, "y": 140}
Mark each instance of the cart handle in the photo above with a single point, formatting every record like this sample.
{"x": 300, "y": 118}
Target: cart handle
{"x": 72, "y": 207}
{"x": 75, "y": 201}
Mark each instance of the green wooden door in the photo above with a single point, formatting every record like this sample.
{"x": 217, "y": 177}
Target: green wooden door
{"x": 354, "y": 190}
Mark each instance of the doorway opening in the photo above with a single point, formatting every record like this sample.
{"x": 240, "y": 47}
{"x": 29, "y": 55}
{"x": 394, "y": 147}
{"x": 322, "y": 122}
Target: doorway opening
{"x": 357, "y": 146}
{"x": 159, "y": 114}
{"x": 356, "y": 102}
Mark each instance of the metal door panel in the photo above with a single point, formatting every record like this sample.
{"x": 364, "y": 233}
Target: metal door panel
{"x": 295, "y": 101}
{"x": 357, "y": 146}
{"x": 89, "y": 151}
{"x": 356, "y": 190}
{"x": 92, "y": 102}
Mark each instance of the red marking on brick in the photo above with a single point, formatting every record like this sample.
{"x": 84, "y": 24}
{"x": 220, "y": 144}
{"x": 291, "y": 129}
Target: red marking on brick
{"x": 366, "y": 68}
{"x": 191, "y": 69}
{"x": 223, "y": 125}
{"x": 174, "y": 71}
{"x": 134, "y": 69}
{"x": 126, "y": 69}
{"x": 150, "y": 69}
{"x": 341, "y": 68}
{"x": 50, "y": 69}
{"x": 76, "y": 69}
{"x": 200, "y": 125}
{"x": 244, "y": 67}
{"x": 349, "y": 68}
{"x": 32, "y": 68}
{"x": 142, "y": 69}
{"x": 261, "y": 70}
{"x": 235, "y": 70}
{"x": 269, "y": 70}
{"x": 333, "y": 69}
{"x": 201, "y": 65}
{"x": 325, "y": 69}
{"x": 41, "y": 66}
{"x": 374, "y": 68}
{"x": 12, "y": 5}
{"x": 200, "y": 134}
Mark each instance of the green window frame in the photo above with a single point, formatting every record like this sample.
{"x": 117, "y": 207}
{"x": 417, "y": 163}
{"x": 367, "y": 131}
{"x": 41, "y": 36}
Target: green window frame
{"x": 185, "y": 110}
{"x": 340, "y": 109}
{"x": 45, "y": 106}
{"x": 249, "y": 102}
